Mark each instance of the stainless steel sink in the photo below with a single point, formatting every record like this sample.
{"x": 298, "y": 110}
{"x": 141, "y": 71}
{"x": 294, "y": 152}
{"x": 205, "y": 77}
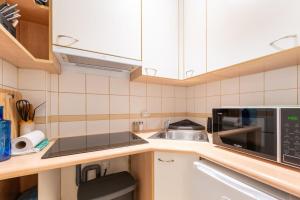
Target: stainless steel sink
{"x": 182, "y": 135}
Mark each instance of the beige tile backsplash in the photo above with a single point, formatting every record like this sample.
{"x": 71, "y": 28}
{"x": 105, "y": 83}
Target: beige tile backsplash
{"x": 84, "y": 102}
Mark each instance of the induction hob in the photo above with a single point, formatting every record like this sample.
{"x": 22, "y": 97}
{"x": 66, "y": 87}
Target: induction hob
{"x": 83, "y": 144}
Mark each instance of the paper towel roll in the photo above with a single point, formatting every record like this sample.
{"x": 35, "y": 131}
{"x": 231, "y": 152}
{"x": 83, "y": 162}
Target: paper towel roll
{"x": 26, "y": 143}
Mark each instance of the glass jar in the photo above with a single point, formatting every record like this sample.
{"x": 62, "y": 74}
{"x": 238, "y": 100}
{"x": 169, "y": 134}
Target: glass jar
{"x": 5, "y": 140}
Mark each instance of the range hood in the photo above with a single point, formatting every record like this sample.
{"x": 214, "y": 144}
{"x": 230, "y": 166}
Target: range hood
{"x": 81, "y": 58}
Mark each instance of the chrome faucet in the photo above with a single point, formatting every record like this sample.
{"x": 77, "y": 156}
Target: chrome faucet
{"x": 166, "y": 125}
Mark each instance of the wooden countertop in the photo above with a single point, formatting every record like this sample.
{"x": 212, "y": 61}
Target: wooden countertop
{"x": 281, "y": 177}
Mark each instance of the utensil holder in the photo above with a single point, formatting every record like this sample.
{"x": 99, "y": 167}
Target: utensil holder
{"x": 26, "y": 127}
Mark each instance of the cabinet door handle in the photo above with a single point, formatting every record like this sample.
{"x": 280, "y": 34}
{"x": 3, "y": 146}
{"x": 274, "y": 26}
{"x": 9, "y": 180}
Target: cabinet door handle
{"x": 167, "y": 161}
{"x": 72, "y": 40}
{"x": 151, "y": 71}
{"x": 189, "y": 73}
{"x": 273, "y": 44}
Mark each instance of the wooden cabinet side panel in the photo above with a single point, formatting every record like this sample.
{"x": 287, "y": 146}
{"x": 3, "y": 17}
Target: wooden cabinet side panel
{"x": 35, "y": 38}
{"x": 9, "y": 189}
{"x": 142, "y": 170}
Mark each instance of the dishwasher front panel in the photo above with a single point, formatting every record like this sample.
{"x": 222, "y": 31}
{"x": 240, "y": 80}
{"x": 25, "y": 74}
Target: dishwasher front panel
{"x": 213, "y": 182}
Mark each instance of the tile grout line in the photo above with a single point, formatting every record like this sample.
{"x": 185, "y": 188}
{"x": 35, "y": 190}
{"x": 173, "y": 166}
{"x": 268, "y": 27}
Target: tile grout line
{"x": 86, "y": 104}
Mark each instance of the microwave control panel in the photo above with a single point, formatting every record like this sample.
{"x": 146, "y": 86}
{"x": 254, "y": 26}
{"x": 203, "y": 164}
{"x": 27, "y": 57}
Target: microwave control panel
{"x": 290, "y": 136}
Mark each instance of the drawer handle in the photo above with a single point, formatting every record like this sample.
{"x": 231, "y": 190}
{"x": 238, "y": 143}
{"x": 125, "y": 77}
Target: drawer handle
{"x": 167, "y": 161}
{"x": 72, "y": 40}
{"x": 151, "y": 71}
{"x": 273, "y": 44}
{"x": 189, "y": 73}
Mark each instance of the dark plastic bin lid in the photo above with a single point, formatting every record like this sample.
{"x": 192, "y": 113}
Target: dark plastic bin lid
{"x": 186, "y": 125}
{"x": 107, "y": 187}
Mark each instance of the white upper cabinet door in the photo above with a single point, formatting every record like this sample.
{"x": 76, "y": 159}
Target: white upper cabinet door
{"x": 160, "y": 38}
{"x": 238, "y": 31}
{"x": 110, "y": 27}
{"x": 194, "y": 37}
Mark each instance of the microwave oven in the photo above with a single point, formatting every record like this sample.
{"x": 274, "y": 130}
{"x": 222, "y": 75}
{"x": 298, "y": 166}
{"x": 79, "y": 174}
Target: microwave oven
{"x": 271, "y": 133}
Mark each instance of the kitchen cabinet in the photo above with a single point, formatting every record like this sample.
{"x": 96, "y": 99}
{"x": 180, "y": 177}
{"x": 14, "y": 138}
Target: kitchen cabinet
{"x": 160, "y": 38}
{"x": 110, "y": 27}
{"x": 238, "y": 31}
{"x": 172, "y": 175}
{"x": 194, "y": 37}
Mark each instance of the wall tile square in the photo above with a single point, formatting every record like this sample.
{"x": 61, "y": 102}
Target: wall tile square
{"x": 252, "y": 83}
{"x": 70, "y": 129}
{"x": 180, "y": 92}
{"x": 154, "y": 104}
{"x": 48, "y": 81}
{"x": 97, "y": 127}
{"x": 191, "y": 105}
{"x": 71, "y": 104}
{"x": 36, "y": 98}
{"x": 97, "y": 104}
{"x": 168, "y": 91}
{"x": 213, "y": 88}
{"x": 285, "y": 78}
{"x": 96, "y": 84}
{"x": 190, "y": 92}
{"x": 119, "y": 86}
{"x": 32, "y": 79}
{"x": 200, "y": 105}
{"x": 72, "y": 82}
{"x": 53, "y": 103}
{"x": 10, "y": 75}
{"x": 154, "y": 123}
{"x": 230, "y": 100}
{"x": 180, "y": 105}
{"x": 252, "y": 99}
{"x": 119, "y": 125}
{"x": 281, "y": 97}
{"x": 138, "y": 89}
{"x": 230, "y": 86}
{"x": 54, "y": 82}
{"x": 54, "y": 130}
{"x": 212, "y": 102}
{"x": 119, "y": 104}
{"x": 48, "y": 106}
{"x": 138, "y": 104}
{"x": 168, "y": 105}
{"x": 200, "y": 90}
{"x": 154, "y": 90}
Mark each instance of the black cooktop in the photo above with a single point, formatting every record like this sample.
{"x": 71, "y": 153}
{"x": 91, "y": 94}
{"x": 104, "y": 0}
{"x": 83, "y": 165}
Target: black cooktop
{"x": 83, "y": 144}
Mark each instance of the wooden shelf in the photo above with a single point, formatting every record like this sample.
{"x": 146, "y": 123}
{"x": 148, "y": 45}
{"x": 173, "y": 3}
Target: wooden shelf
{"x": 32, "y": 11}
{"x": 274, "y": 61}
{"x": 15, "y": 53}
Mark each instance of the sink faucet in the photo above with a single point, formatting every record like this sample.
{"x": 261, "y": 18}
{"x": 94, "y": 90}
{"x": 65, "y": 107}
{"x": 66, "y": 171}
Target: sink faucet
{"x": 166, "y": 125}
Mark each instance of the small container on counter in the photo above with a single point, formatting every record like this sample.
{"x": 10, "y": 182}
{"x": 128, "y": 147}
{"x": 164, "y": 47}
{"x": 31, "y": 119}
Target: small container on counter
{"x": 26, "y": 127}
{"x": 138, "y": 126}
{"x": 5, "y": 140}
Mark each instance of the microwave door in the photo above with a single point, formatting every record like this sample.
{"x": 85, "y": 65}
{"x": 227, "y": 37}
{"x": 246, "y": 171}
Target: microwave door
{"x": 246, "y": 137}
{"x": 249, "y": 130}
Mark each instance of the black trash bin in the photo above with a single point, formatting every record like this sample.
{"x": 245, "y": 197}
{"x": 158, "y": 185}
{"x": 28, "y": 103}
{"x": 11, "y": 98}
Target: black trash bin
{"x": 118, "y": 186}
